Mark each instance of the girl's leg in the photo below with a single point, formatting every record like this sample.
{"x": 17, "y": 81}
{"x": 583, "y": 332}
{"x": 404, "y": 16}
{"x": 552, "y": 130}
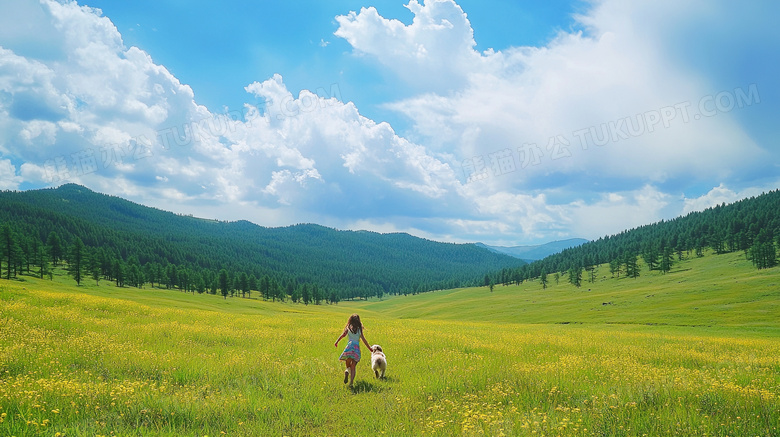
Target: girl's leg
{"x": 352, "y": 371}
{"x": 347, "y": 371}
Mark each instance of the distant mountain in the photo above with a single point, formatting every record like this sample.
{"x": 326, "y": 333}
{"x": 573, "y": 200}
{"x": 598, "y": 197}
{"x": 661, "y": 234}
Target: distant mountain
{"x": 351, "y": 263}
{"x": 533, "y": 253}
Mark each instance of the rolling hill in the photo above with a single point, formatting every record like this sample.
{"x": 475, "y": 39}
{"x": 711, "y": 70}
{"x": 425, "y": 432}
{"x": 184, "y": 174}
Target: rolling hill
{"x": 350, "y": 263}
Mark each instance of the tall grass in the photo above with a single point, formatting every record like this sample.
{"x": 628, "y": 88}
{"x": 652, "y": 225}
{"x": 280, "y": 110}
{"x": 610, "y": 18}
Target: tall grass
{"x": 86, "y": 361}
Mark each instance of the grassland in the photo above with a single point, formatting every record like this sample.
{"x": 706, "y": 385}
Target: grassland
{"x": 691, "y": 353}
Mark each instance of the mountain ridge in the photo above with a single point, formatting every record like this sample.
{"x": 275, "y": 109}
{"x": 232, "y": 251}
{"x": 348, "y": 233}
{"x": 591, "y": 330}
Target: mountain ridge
{"x": 354, "y": 263}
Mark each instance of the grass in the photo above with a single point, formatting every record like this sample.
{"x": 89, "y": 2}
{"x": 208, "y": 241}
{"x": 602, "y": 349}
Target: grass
{"x": 693, "y": 353}
{"x": 713, "y": 291}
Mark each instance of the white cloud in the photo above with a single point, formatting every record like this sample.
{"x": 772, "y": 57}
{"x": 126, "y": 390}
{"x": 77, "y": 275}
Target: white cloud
{"x": 9, "y": 179}
{"x": 128, "y": 127}
{"x": 433, "y": 53}
{"x": 88, "y": 109}
{"x": 615, "y": 212}
{"x": 722, "y": 194}
{"x": 574, "y": 101}
{"x": 581, "y": 87}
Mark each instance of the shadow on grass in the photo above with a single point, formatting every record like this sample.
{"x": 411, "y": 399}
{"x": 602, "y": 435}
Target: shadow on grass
{"x": 372, "y": 385}
{"x": 386, "y": 379}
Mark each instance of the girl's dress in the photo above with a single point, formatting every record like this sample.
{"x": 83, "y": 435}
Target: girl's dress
{"x": 353, "y": 347}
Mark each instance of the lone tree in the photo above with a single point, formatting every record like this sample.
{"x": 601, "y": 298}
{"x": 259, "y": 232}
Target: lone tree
{"x": 78, "y": 260}
{"x": 543, "y": 279}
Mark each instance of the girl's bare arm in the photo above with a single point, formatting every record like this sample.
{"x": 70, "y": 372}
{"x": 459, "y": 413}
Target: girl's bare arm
{"x": 365, "y": 341}
{"x": 343, "y": 334}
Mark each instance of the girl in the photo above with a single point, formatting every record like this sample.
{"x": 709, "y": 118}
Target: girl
{"x": 351, "y": 354}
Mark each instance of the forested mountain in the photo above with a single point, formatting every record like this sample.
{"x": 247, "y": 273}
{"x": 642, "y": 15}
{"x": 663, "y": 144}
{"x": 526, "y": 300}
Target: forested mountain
{"x": 751, "y": 225}
{"x": 134, "y": 244}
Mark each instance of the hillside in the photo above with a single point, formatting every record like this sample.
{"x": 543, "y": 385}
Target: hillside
{"x": 708, "y": 291}
{"x": 348, "y": 263}
{"x": 536, "y": 252}
{"x": 750, "y": 226}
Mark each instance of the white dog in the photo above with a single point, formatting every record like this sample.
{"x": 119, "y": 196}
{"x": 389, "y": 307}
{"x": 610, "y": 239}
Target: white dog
{"x": 378, "y": 361}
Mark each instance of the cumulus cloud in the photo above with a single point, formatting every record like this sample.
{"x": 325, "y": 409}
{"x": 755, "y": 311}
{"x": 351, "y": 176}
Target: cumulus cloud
{"x": 608, "y": 98}
{"x": 326, "y": 146}
{"x": 88, "y": 109}
{"x": 593, "y": 113}
{"x": 435, "y": 52}
{"x": 124, "y": 125}
{"x": 723, "y": 194}
{"x": 9, "y": 179}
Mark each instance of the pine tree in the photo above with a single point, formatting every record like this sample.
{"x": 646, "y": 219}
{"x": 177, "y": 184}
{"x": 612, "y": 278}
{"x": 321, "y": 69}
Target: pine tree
{"x": 592, "y": 270}
{"x": 306, "y": 294}
{"x": 763, "y": 255}
{"x": 94, "y": 267}
{"x": 632, "y": 266}
{"x": 651, "y": 257}
{"x": 10, "y": 249}
{"x": 615, "y": 267}
{"x": 224, "y": 283}
{"x": 667, "y": 259}
{"x": 543, "y": 279}
{"x": 135, "y": 275}
{"x": 118, "y": 268}
{"x": 55, "y": 247}
{"x": 243, "y": 281}
{"x": 274, "y": 288}
{"x": 265, "y": 287}
{"x": 253, "y": 282}
{"x": 44, "y": 263}
{"x": 200, "y": 284}
{"x": 78, "y": 260}
{"x": 717, "y": 242}
{"x": 575, "y": 276}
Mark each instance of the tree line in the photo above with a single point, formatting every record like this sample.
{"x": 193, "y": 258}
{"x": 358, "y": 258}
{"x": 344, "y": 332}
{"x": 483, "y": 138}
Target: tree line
{"x": 750, "y": 225}
{"x": 134, "y": 245}
{"x": 21, "y": 255}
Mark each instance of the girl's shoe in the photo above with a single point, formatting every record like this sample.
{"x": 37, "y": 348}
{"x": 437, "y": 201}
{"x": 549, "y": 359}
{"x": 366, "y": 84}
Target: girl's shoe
{"x": 346, "y": 376}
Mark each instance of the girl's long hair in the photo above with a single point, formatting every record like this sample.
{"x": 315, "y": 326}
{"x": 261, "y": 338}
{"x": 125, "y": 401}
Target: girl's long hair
{"x": 354, "y": 324}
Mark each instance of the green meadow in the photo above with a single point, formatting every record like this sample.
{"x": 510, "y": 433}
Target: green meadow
{"x": 691, "y": 353}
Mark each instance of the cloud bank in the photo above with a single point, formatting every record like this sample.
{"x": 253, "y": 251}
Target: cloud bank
{"x": 598, "y": 131}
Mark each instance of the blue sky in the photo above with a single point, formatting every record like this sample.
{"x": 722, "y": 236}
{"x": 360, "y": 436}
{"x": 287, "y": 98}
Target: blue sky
{"x": 503, "y": 122}
{"x": 218, "y": 51}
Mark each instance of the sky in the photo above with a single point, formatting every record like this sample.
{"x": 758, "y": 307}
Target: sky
{"x": 502, "y": 122}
